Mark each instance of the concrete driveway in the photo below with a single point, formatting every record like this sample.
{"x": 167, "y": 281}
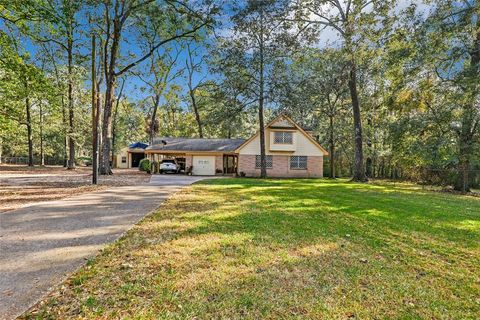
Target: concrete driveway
{"x": 42, "y": 244}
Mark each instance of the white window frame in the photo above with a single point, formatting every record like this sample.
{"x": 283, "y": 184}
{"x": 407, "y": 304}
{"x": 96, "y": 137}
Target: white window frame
{"x": 298, "y": 162}
{"x": 283, "y": 137}
{"x": 268, "y": 160}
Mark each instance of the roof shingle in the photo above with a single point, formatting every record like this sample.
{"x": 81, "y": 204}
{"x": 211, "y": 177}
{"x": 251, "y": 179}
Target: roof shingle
{"x": 195, "y": 144}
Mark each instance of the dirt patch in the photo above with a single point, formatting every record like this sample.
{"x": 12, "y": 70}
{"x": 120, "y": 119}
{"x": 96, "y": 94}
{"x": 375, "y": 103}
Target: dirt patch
{"x": 21, "y": 185}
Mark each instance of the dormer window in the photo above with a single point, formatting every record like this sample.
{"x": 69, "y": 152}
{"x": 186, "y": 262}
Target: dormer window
{"x": 283, "y": 137}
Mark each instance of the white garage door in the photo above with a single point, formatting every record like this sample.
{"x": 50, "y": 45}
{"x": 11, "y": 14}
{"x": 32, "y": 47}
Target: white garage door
{"x": 203, "y": 165}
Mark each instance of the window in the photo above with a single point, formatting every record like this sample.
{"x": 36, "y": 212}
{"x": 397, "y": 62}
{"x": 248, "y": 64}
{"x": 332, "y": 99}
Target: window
{"x": 298, "y": 162}
{"x": 268, "y": 159}
{"x": 283, "y": 137}
{"x": 124, "y": 159}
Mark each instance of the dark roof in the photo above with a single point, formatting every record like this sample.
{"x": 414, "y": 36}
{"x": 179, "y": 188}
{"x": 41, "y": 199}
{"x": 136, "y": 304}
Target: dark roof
{"x": 139, "y": 145}
{"x": 196, "y": 144}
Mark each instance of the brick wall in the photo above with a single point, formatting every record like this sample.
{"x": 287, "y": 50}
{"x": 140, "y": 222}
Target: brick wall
{"x": 281, "y": 167}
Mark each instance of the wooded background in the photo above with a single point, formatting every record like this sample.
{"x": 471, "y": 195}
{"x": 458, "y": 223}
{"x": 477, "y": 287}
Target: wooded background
{"x": 390, "y": 88}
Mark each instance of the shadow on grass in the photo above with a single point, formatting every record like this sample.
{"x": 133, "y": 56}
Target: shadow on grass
{"x": 266, "y": 248}
{"x": 302, "y": 209}
{"x": 252, "y": 249}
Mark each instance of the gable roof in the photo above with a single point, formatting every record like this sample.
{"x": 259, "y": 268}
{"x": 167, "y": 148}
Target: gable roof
{"x": 196, "y": 144}
{"x": 284, "y": 117}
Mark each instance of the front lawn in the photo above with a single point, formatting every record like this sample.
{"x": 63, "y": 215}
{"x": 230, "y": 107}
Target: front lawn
{"x": 253, "y": 249}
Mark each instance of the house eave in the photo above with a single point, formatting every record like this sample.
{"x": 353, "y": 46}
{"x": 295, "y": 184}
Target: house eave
{"x": 189, "y": 152}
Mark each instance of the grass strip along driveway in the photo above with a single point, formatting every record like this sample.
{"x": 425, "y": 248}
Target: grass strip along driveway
{"x": 251, "y": 249}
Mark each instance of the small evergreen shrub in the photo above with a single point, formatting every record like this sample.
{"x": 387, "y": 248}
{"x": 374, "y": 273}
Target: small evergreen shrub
{"x": 145, "y": 165}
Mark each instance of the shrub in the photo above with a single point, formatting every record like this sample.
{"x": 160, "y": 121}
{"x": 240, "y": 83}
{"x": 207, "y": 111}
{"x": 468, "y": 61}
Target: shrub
{"x": 145, "y": 165}
{"x": 83, "y": 161}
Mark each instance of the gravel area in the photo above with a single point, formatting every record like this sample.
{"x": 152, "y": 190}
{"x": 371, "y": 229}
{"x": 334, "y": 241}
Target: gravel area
{"x": 22, "y": 186}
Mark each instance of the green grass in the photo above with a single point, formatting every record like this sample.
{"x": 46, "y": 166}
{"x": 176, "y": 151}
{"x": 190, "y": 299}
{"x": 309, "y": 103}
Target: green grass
{"x": 269, "y": 249}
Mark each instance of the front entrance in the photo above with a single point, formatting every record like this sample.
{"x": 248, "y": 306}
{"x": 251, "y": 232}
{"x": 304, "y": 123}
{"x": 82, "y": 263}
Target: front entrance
{"x": 229, "y": 164}
{"x": 203, "y": 165}
{"x": 136, "y": 157}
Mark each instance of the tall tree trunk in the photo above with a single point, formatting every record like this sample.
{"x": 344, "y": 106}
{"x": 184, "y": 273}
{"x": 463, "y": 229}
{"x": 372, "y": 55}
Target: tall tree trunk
{"x": 359, "y": 172}
{"x": 29, "y": 129}
{"x": 197, "y": 113}
{"x": 95, "y": 114}
{"x": 105, "y": 167}
{"x": 65, "y": 133}
{"x": 332, "y": 149}
{"x": 110, "y": 83}
{"x": 99, "y": 111}
{"x": 191, "y": 90}
{"x": 42, "y": 154}
{"x": 263, "y": 159}
{"x": 114, "y": 124}
{"x": 154, "y": 118}
{"x": 71, "y": 140}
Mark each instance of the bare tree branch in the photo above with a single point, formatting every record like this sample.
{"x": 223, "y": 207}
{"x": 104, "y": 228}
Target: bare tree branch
{"x": 158, "y": 45}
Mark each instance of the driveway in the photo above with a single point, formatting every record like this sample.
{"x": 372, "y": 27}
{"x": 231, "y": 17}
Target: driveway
{"x": 42, "y": 244}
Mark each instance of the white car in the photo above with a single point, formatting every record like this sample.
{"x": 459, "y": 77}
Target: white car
{"x": 169, "y": 165}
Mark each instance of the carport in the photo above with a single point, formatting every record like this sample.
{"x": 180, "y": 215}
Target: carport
{"x": 202, "y": 157}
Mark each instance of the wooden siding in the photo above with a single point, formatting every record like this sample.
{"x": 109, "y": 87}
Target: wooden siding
{"x": 303, "y": 146}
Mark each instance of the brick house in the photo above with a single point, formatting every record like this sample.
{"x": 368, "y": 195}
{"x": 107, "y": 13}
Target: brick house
{"x": 291, "y": 152}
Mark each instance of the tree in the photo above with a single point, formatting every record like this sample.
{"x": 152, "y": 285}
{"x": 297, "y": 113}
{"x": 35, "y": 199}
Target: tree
{"x": 115, "y": 116}
{"x": 24, "y": 85}
{"x": 52, "y": 22}
{"x": 311, "y": 87}
{"x": 177, "y": 16}
{"x": 330, "y": 69}
{"x": 192, "y": 67}
{"x": 258, "y": 37}
{"x": 454, "y": 30}
{"x": 130, "y": 123}
{"x": 354, "y": 22}
{"x": 160, "y": 76}
{"x": 49, "y": 53}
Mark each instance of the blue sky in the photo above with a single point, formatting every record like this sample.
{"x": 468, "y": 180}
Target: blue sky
{"x": 131, "y": 48}
{"x": 130, "y": 51}
{"x": 329, "y": 37}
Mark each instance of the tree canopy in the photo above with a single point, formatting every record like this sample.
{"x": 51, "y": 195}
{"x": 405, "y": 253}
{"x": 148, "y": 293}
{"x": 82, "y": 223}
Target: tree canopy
{"x": 391, "y": 88}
